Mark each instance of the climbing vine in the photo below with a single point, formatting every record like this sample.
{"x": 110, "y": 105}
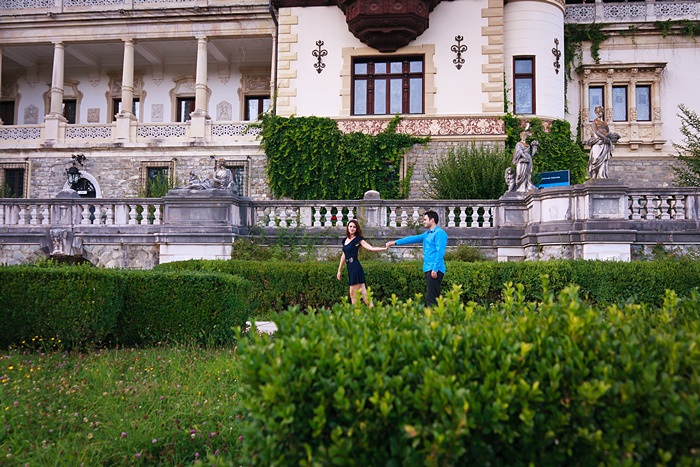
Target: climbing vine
{"x": 310, "y": 158}
{"x": 574, "y": 36}
{"x": 559, "y": 148}
{"x": 683, "y": 27}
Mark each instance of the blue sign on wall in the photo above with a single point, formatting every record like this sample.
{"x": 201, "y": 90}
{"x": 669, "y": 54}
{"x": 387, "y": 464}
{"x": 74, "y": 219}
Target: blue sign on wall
{"x": 549, "y": 179}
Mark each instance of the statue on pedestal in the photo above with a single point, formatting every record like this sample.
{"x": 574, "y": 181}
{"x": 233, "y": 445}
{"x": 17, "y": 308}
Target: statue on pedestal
{"x": 601, "y": 144}
{"x": 520, "y": 179}
{"x": 223, "y": 179}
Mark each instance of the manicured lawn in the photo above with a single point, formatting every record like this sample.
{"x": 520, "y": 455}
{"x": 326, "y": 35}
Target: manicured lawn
{"x": 168, "y": 405}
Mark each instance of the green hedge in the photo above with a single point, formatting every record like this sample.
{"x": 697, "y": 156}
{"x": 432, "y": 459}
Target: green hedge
{"x": 559, "y": 382}
{"x": 279, "y": 285}
{"x": 83, "y": 306}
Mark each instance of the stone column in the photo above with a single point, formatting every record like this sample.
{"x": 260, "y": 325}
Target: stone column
{"x": 632, "y": 112}
{"x": 608, "y": 97}
{"x": 126, "y": 118}
{"x": 54, "y": 122}
{"x": 0, "y": 78}
{"x": 200, "y": 117}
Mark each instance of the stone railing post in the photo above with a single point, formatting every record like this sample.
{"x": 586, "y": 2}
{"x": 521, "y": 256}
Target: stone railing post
{"x": 371, "y": 210}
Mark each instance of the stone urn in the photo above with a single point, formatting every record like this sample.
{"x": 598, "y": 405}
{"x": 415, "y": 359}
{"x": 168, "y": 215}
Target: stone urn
{"x": 387, "y": 25}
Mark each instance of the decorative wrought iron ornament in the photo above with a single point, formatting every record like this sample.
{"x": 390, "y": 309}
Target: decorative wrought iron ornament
{"x": 319, "y": 54}
{"x": 557, "y": 55}
{"x": 459, "y": 49}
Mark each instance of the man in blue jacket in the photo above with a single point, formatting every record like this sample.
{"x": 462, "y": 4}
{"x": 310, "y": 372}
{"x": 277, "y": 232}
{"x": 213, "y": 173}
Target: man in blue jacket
{"x": 434, "y": 244}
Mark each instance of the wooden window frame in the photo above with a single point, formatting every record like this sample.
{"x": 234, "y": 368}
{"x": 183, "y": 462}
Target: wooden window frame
{"x": 372, "y": 77}
{"x": 532, "y": 77}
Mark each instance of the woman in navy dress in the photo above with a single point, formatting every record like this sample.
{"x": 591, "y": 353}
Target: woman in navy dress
{"x": 351, "y": 247}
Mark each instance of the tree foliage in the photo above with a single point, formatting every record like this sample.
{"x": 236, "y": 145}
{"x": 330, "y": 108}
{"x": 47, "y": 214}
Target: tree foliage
{"x": 468, "y": 172}
{"x": 688, "y": 174}
{"x": 310, "y": 158}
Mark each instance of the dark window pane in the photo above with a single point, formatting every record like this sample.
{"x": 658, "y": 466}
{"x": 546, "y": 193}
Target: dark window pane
{"x": 619, "y": 95}
{"x": 70, "y": 107}
{"x": 185, "y": 106}
{"x": 14, "y": 184}
{"x": 643, "y": 99}
{"x": 158, "y": 182}
{"x": 7, "y": 112}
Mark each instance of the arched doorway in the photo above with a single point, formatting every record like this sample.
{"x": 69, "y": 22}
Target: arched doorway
{"x": 85, "y": 188}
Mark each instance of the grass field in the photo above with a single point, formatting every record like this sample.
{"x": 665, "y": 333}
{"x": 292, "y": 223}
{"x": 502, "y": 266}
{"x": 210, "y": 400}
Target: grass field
{"x": 165, "y": 405}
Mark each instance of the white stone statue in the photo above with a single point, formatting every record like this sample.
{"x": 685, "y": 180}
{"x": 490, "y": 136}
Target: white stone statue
{"x": 223, "y": 179}
{"x": 601, "y": 144}
{"x": 522, "y": 160}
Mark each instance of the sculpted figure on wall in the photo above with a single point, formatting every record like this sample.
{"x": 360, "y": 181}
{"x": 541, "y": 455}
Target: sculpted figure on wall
{"x": 520, "y": 180}
{"x": 222, "y": 180}
{"x": 602, "y": 144}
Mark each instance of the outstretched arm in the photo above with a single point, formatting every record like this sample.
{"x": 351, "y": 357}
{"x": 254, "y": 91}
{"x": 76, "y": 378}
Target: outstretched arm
{"x": 369, "y": 247}
{"x": 340, "y": 266}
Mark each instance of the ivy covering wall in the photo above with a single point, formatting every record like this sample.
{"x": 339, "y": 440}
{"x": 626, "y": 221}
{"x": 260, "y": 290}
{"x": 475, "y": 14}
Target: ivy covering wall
{"x": 310, "y": 158}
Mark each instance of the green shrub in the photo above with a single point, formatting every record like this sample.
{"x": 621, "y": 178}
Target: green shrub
{"x": 77, "y": 305}
{"x": 81, "y": 306}
{"x": 468, "y": 171}
{"x": 465, "y": 253}
{"x": 518, "y": 383}
{"x": 279, "y": 285}
{"x": 182, "y": 307}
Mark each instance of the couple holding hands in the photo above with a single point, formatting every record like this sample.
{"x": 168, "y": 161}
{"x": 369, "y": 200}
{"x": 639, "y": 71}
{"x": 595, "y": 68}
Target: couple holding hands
{"x": 434, "y": 244}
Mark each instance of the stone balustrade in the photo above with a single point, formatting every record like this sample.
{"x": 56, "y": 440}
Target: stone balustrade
{"x": 80, "y": 212}
{"x": 600, "y": 219}
{"x": 60, "y": 6}
{"x": 650, "y": 11}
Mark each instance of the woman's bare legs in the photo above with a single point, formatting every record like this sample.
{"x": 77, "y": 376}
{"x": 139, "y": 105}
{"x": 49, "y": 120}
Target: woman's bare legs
{"x": 363, "y": 293}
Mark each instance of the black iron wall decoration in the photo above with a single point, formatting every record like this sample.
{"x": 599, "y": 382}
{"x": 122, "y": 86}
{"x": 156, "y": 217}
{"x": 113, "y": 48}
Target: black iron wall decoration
{"x": 557, "y": 55}
{"x": 459, "y": 49}
{"x": 319, "y": 54}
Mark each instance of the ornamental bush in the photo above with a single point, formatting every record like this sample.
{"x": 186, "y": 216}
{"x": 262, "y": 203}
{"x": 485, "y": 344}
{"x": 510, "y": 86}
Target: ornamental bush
{"x": 556, "y": 382}
{"x": 280, "y": 285}
{"x": 468, "y": 171}
{"x": 84, "y": 306}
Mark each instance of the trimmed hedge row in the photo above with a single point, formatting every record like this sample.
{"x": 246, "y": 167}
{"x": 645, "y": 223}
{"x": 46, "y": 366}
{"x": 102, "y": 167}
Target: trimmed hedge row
{"x": 280, "y": 285}
{"x": 559, "y": 382}
{"x": 83, "y": 306}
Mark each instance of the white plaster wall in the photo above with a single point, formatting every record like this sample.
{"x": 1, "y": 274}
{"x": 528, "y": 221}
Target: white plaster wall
{"x": 458, "y": 91}
{"x": 530, "y": 29}
{"x": 679, "y": 80}
{"x": 319, "y": 93}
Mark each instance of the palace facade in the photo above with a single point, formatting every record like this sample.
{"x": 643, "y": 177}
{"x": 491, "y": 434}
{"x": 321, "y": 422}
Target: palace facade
{"x": 110, "y": 96}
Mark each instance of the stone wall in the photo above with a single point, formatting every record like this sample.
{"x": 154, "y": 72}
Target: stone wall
{"x": 643, "y": 171}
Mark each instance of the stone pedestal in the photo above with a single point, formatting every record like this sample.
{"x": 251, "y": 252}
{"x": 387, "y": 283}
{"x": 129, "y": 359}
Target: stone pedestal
{"x": 198, "y": 224}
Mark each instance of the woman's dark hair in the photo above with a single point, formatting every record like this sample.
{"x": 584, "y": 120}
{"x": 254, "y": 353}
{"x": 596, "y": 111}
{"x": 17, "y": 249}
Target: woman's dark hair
{"x": 358, "y": 232}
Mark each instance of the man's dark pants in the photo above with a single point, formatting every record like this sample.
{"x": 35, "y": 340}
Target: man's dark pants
{"x": 432, "y": 289}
